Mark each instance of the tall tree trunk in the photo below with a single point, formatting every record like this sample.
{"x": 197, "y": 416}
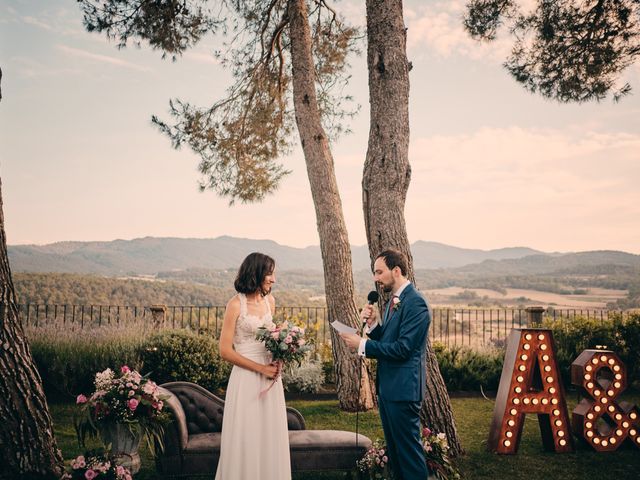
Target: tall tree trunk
{"x": 27, "y": 445}
{"x": 387, "y": 174}
{"x": 334, "y": 240}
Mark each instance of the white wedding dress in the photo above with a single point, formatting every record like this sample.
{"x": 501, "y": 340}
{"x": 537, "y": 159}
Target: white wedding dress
{"x": 255, "y": 438}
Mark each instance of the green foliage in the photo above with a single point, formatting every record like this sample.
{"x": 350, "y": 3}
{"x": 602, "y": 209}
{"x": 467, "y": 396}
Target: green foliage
{"x": 308, "y": 378}
{"x": 619, "y": 334}
{"x": 464, "y": 369}
{"x": 571, "y": 51}
{"x": 186, "y": 287}
{"x": 68, "y": 359}
{"x": 181, "y": 355}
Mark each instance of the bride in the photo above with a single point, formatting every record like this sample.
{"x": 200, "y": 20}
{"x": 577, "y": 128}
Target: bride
{"x": 255, "y": 438}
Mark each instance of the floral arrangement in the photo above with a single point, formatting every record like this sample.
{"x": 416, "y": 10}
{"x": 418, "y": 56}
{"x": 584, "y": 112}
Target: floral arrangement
{"x": 375, "y": 462}
{"x": 126, "y": 398}
{"x": 96, "y": 465}
{"x": 436, "y": 452}
{"x": 286, "y": 342}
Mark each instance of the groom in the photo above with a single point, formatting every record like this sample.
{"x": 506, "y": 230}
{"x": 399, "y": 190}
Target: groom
{"x": 398, "y": 343}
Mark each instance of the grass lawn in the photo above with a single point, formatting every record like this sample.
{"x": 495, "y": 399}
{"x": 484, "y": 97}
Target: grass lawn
{"x": 473, "y": 416}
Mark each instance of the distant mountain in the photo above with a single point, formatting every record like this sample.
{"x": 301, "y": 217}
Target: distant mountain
{"x": 150, "y": 255}
{"x": 569, "y": 263}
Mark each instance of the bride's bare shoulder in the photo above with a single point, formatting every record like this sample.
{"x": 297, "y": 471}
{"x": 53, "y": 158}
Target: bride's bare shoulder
{"x": 234, "y": 303}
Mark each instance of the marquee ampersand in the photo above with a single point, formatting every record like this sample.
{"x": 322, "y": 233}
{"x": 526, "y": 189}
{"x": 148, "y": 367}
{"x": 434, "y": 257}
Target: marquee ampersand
{"x": 604, "y": 422}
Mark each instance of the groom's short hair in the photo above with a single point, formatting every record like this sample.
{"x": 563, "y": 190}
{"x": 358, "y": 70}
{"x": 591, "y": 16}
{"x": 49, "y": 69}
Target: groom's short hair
{"x": 394, "y": 258}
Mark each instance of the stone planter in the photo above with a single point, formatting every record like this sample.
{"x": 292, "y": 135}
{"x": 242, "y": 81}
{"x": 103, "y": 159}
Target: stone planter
{"x": 123, "y": 445}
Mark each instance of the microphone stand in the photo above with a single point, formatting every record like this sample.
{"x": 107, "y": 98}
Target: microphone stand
{"x": 360, "y": 362}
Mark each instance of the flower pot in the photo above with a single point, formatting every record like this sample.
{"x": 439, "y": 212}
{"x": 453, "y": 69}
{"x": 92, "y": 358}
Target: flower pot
{"x": 123, "y": 445}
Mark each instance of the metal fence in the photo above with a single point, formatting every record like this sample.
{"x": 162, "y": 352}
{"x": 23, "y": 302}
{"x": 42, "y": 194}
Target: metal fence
{"x": 475, "y": 328}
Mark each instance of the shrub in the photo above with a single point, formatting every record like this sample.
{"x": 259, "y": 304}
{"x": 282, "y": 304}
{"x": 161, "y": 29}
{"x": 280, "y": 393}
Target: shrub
{"x": 68, "y": 359}
{"x": 466, "y": 369}
{"x": 619, "y": 334}
{"x": 182, "y": 355}
{"x": 309, "y": 377}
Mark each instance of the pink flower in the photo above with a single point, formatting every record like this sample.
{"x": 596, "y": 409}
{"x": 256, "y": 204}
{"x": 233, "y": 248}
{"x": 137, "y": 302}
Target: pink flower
{"x": 131, "y": 393}
{"x": 275, "y": 334}
{"x": 81, "y": 399}
{"x": 132, "y": 404}
{"x": 127, "y": 477}
{"x": 288, "y": 339}
{"x": 385, "y": 459}
{"x": 160, "y": 404}
{"x": 80, "y": 461}
{"x": 90, "y": 474}
{"x": 301, "y": 342}
{"x": 426, "y": 432}
{"x": 120, "y": 470}
{"x": 125, "y": 369}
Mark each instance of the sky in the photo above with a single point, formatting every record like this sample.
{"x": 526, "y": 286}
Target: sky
{"x": 493, "y": 165}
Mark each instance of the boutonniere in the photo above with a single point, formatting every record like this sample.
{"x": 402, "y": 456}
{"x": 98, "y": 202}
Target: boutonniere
{"x": 395, "y": 303}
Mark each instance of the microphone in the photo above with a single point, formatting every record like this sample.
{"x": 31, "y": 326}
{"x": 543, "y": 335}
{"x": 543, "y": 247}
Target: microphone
{"x": 373, "y": 297}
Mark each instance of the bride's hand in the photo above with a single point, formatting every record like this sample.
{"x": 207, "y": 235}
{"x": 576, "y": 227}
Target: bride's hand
{"x": 271, "y": 370}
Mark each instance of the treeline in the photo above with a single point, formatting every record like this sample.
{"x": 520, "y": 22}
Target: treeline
{"x": 74, "y": 289}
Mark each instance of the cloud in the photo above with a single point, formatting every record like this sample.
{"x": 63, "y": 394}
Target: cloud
{"x": 201, "y": 57}
{"x": 101, "y": 58}
{"x": 505, "y": 186}
{"x": 436, "y": 28}
{"x": 36, "y": 22}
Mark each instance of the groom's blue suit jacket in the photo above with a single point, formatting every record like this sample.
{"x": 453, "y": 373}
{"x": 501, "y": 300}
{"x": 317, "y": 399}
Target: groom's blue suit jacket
{"x": 399, "y": 346}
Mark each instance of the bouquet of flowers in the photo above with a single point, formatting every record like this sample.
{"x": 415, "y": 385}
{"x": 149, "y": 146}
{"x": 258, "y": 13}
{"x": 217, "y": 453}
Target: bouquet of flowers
{"x": 126, "y": 398}
{"x": 436, "y": 453}
{"x": 96, "y": 465}
{"x": 375, "y": 462}
{"x": 286, "y": 342}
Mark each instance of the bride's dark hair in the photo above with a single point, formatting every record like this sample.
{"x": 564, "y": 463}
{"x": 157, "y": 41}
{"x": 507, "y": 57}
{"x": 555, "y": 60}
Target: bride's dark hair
{"x": 252, "y": 273}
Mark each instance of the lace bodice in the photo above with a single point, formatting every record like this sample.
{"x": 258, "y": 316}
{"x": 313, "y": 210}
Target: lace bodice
{"x": 247, "y": 324}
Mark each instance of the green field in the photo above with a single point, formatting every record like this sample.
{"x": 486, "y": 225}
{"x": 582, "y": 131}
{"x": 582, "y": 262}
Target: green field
{"x": 473, "y": 416}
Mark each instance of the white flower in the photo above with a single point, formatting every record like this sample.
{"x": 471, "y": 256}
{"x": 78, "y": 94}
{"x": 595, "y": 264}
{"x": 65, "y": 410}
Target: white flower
{"x": 442, "y": 436}
{"x": 103, "y": 379}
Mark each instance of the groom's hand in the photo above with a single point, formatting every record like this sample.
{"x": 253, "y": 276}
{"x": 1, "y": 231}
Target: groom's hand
{"x": 351, "y": 339}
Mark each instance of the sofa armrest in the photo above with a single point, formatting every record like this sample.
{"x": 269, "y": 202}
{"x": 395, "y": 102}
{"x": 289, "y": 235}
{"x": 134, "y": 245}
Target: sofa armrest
{"x": 176, "y": 434}
{"x": 295, "y": 420}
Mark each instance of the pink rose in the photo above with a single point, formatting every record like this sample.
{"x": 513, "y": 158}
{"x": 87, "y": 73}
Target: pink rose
{"x": 301, "y": 342}
{"x": 120, "y": 470}
{"x": 90, "y": 474}
{"x": 80, "y": 461}
{"x": 160, "y": 404}
{"x": 81, "y": 399}
{"x": 132, "y": 404}
{"x": 385, "y": 459}
{"x": 288, "y": 340}
{"x": 275, "y": 334}
{"x": 131, "y": 393}
{"x": 125, "y": 369}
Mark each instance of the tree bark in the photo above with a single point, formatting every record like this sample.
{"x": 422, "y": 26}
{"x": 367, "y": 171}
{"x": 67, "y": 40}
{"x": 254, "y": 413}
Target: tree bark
{"x": 27, "y": 446}
{"x": 387, "y": 174}
{"x": 354, "y": 385}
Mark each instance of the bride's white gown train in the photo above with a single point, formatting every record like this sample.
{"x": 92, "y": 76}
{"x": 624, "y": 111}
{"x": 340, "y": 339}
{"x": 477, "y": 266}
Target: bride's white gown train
{"x": 255, "y": 438}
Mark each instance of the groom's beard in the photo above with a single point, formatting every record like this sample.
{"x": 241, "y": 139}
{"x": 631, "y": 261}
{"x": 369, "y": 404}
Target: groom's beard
{"x": 386, "y": 288}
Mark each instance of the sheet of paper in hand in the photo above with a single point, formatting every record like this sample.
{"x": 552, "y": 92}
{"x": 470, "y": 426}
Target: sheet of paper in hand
{"x": 342, "y": 328}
